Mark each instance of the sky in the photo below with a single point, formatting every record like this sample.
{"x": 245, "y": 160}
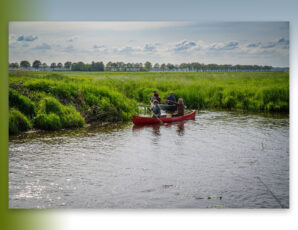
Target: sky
{"x": 252, "y": 43}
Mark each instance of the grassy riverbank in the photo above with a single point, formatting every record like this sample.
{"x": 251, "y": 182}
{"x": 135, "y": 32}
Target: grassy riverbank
{"x": 52, "y": 101}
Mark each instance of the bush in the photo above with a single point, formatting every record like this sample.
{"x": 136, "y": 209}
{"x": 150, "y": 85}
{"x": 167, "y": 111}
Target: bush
{"x": 22, "y": 103}
{"x": 18, "y": 122}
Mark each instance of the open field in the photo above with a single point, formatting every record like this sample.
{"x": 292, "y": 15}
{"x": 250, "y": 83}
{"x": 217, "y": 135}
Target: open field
{"x": 52, "y": 101}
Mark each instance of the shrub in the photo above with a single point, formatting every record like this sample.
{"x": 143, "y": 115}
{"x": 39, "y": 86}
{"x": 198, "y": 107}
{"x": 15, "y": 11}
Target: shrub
{"x": 18, "y": 122}
{"x": 22, "y": 103}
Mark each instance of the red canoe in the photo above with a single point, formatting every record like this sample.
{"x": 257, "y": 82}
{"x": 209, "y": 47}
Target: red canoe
{"x": 137, "y": 120}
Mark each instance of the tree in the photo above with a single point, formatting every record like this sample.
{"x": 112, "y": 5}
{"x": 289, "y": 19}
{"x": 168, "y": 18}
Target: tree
{"x": 36, "y": 64}
{"x": 148, "y": 66}
{"x": 59, "y": 65}
{"x": 53, "y": 65}
{"x": 44, "y": 65}
{"x": 25, "y": 64}
{"x": 170, "y": 66}
{"x": 67, "y": 65}
{"x": 80, "y": 66}
{"x": 156, "y": 67}
{"x": 14, "y": 65}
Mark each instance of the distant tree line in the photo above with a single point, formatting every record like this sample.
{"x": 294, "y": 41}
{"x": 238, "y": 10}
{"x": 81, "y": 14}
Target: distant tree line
{"x": 136, "y": 67}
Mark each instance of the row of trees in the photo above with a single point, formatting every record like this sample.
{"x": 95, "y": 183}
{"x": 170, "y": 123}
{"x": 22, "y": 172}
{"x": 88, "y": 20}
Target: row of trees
{"x": 137, "y": 67}
{"x": 38, "y": 65}
{"x": 80, "y": 66}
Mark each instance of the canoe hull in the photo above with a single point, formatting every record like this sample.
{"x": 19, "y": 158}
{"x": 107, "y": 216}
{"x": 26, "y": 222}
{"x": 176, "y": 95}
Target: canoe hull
{"x": 137, "y": 120}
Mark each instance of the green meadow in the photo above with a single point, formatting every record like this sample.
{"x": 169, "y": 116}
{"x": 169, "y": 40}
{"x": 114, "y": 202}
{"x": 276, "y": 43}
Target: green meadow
{"x": 57, "y": 100}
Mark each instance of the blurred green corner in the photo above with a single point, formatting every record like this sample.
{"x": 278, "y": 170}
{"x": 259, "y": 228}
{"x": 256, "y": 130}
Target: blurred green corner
{"x": 15, "y": 10}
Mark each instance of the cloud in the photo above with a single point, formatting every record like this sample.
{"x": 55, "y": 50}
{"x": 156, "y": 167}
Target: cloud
{"x": 127, "y": 50}
{"x": 29, "y": 38}
{"x": 221, "y": 46}
{"x": 98, "y": 46}
{"x": 149, "y": 48}
{"x": 72, "y": 39}
{"x": 43, "y": 46}
{"x": 184, "y": 45}
{"x": 254, "y": 45}
{"x": 268, "y": 45}
{"x": 284, "y": 43}
{"x": 69, "y": 49}
{"x": 281, "y": 43}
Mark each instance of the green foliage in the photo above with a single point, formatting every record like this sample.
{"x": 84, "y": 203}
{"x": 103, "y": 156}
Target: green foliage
{"x": 49, "y": 121}
{"x": 113, "y": 96}
{"x": 22, "y": 103}
{"x": 50, "y": 105}
{"x": 52, "y": 115}
{"x": 71, "y": 118}
{"x": 18, "y": 122}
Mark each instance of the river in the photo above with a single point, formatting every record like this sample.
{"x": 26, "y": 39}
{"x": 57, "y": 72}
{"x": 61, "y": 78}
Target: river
{"x": 219, "y": 160}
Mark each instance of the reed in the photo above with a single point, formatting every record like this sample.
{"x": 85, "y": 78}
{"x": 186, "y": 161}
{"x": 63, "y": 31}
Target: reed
{"x": 115, "y": 96}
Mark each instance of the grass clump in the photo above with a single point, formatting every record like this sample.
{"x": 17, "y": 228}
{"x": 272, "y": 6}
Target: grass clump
{"x": 18, "y": 122}
{"x": 52, "y": 115}
{"x": 49, "y": 121}
{"x": 21, "y": 102}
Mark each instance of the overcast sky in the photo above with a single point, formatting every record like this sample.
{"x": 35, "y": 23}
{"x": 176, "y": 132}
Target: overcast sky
{"x": 261, "y": 43}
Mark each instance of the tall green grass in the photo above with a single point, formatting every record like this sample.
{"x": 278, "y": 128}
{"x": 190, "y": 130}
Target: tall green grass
{"x": 18, "y": 122}
{"x": 54, "y": 102}
{"x": 21, "y": 102}
{"x": 114, "y": 96}
{"x": 52, "y": 115}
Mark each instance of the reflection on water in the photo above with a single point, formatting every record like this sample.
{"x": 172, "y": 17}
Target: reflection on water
{"x": 180, "y": 129}
{"x": 219, "y": 160}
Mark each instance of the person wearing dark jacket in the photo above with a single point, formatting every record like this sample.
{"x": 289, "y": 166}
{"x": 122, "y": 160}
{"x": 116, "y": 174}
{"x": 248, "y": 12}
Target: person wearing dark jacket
{"x": 171, "y": 100}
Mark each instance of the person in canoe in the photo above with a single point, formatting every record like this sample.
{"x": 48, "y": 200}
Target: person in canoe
{"x": 171, "y": 100}
{"x": 180, "y": 108}
{"x": 156, "y": 109}
{"x": 155, "y": 96}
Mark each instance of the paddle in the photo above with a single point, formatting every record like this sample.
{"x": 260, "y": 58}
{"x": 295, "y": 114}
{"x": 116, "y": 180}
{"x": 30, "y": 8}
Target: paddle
{"x": 160, "y": 121}
{"x": 175, "y": 103}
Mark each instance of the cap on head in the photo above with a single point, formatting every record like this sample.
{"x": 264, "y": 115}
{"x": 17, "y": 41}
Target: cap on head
{"x": 154, "y": 91}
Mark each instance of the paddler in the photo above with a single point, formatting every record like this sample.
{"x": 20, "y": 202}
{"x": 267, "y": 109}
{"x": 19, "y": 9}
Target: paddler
{"x": 156, "y": 109}
{"x": 171, "y": 100}
{"x": 155, "y": 96}
{"x": 180, "y": 108}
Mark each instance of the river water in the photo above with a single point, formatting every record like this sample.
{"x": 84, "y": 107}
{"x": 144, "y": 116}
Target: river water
{"x": 218, "y": 160}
